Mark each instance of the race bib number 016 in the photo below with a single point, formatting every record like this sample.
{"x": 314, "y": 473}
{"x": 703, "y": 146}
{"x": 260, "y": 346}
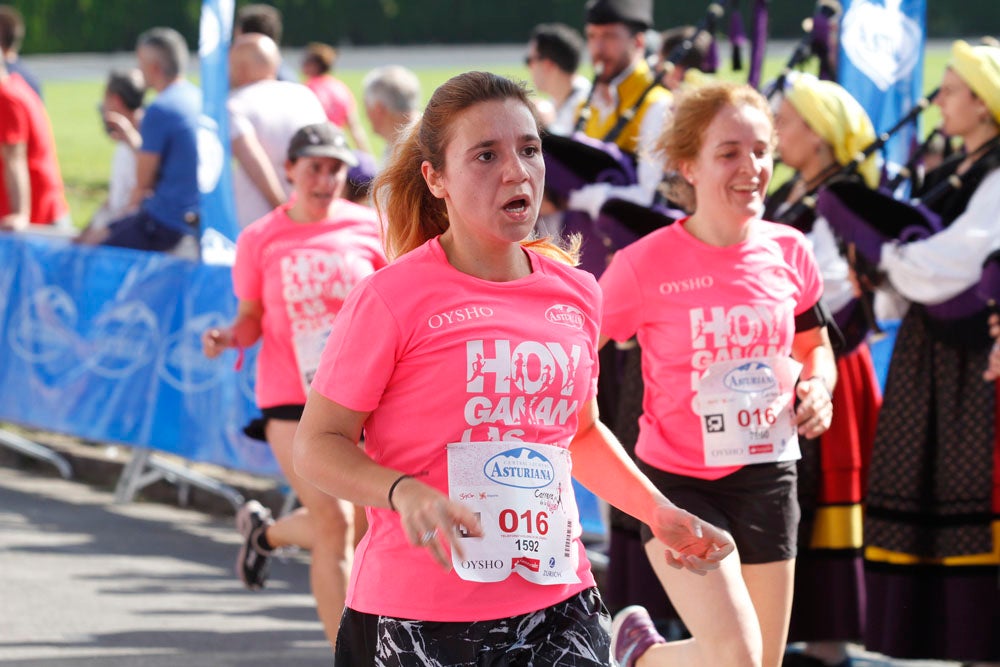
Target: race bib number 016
{"x": 747, "y": 411}
{"x": 523, "y": 496}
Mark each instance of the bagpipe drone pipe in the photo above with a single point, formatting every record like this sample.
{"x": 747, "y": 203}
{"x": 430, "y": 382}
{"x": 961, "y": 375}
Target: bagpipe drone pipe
{"x": 815, "y": 42}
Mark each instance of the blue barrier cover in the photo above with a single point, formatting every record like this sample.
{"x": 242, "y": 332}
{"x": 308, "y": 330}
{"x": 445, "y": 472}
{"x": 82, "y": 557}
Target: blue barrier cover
{"x": 104, "y": 344}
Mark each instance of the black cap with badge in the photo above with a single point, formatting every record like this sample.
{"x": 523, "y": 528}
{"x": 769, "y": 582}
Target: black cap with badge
{"x": 321, "y": 140}
{"x": 636, "y": 12}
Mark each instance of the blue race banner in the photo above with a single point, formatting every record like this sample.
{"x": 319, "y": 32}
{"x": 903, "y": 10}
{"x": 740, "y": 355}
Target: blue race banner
{"x": 881, "y": 63}
{"x": 218, "y": 210}
{"x": 105, "y": 344}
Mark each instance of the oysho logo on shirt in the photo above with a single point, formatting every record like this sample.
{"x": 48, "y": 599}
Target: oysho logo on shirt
{"x": 686, "y": 285}
{"x": 438, "y": 320}
{"x": 565, "y": 315}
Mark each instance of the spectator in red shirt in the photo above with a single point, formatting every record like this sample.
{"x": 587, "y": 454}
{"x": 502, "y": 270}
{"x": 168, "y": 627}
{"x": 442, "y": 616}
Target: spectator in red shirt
{"x": 31, "y": 187}
{"x": 336, "y": 98}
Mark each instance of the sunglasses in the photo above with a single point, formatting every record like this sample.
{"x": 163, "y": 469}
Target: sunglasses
{"x": 530, "y": 59}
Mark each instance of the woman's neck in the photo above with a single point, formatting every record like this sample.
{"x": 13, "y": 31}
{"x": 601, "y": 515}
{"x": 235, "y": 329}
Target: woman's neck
{"x": 976, "y": 141}
{"x": 813, "y": 175}
{"x": 501, "y": 263}
{"x": 298, "y": 212}
{"x": 719, "y": 234}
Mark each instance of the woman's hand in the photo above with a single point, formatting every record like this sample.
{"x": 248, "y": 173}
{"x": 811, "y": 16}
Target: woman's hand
{"x": 815, "y": 411}
{"x": 214, "y": 341}
{"x": 691, "y": 543}
{"x": 432, "y": 520}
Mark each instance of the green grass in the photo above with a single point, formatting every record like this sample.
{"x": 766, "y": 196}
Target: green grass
{"x": 85, "y": 151}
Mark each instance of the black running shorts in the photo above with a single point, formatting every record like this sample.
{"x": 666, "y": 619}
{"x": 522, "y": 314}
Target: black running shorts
{"x": 757, "y": 504}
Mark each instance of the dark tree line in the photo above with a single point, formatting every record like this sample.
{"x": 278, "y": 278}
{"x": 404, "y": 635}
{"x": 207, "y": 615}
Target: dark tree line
{"x": 112, "y": 25}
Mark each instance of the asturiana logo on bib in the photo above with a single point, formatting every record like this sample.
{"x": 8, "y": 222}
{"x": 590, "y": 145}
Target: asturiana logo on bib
{"x": 569, "y": 316}
{"x": 523, "y": 468}
{"x": 750, "y": 377}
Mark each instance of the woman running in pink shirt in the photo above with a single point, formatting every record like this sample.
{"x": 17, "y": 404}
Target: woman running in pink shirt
{"x": 294, "y": 268}
{"x": 470, "y": 363}
{"x": 726, "y": 310}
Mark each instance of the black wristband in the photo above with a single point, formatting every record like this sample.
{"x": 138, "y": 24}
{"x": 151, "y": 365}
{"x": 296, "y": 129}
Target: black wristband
{"x": 393, "y": 488}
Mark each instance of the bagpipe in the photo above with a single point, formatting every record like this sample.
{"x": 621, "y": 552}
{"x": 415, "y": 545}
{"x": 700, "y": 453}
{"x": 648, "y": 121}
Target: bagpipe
{"x": 815, "y": 42}
{"x": 864, "y": 220}
{"x": 936, "y": 142}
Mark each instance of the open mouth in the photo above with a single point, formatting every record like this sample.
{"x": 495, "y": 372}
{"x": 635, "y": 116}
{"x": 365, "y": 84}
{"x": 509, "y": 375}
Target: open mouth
{"x": 516, "y": 205}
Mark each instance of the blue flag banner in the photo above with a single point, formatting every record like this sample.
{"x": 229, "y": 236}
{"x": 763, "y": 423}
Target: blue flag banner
{"x": 881, "y": 63}
{"x": 218, "y": 210}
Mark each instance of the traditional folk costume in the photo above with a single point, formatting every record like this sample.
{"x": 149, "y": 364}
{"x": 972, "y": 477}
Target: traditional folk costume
{"x": 932, "y": 524}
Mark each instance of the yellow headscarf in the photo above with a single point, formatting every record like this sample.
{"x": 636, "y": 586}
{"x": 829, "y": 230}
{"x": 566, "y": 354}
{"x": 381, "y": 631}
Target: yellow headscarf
{"x": 837, "y": 118}
{"x": 979, "y": 67}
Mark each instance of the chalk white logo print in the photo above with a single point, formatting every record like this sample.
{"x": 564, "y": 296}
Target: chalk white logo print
{"x": 44, "y": 326}
{"x": 881, "y": 41}
{"x": 183, "y": 365}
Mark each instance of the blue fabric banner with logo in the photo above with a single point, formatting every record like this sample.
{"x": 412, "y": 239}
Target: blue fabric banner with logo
{"x": 218, "y": 209}
{"x": 105, "y": 344}
{"x": 881, "y": 63}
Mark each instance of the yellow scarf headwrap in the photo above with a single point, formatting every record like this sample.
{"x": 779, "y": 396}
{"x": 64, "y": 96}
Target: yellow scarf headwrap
{"x": 979, "y": 67}
{"x": 837, "y": 118}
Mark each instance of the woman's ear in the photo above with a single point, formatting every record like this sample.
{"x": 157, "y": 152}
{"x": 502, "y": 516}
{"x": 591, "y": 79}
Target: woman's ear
{"x": 685, "y": 170}
{"x": 433, "y": 180}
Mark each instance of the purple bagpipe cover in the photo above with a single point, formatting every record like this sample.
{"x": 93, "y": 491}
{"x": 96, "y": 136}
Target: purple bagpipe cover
{"x": 870, "y": 218}
{"x": 572, "y": 162}
{"x": 619, "y": 223}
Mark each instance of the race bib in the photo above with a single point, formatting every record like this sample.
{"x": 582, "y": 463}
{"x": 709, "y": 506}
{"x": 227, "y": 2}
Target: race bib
{"x": 523, "y": 496}
{"x": 747, "y": 409}
{"x": 308, "y": 346}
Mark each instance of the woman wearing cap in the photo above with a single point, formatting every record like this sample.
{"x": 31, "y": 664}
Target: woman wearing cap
{"x": 477, "y": 398}
{"x": 294, "y": 268}
{"x": 932, "y": 532}
{"x": 731, "y": 333}
{"x": 820, "y": 129}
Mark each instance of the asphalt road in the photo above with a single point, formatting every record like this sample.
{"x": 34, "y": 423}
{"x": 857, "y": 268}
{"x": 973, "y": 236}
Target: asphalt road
{"x": 89, "y": 583}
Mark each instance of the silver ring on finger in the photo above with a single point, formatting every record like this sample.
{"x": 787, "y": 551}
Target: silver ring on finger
{"x": 428, "y": 536}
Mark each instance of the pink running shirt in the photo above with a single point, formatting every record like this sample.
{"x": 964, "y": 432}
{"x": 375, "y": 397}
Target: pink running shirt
{"x": 693, "y": 304}
{"x": 439, "y": 356}
{"x": 335, "y": 97}
{"x": 301, "y": 273}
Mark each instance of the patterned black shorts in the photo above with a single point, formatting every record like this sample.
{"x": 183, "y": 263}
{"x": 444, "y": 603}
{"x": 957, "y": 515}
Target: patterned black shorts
{"x": 573, "y": 633}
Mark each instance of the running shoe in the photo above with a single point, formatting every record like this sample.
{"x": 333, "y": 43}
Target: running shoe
{"x": 632, "y": 633}
{"x": 254, "y": 562}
